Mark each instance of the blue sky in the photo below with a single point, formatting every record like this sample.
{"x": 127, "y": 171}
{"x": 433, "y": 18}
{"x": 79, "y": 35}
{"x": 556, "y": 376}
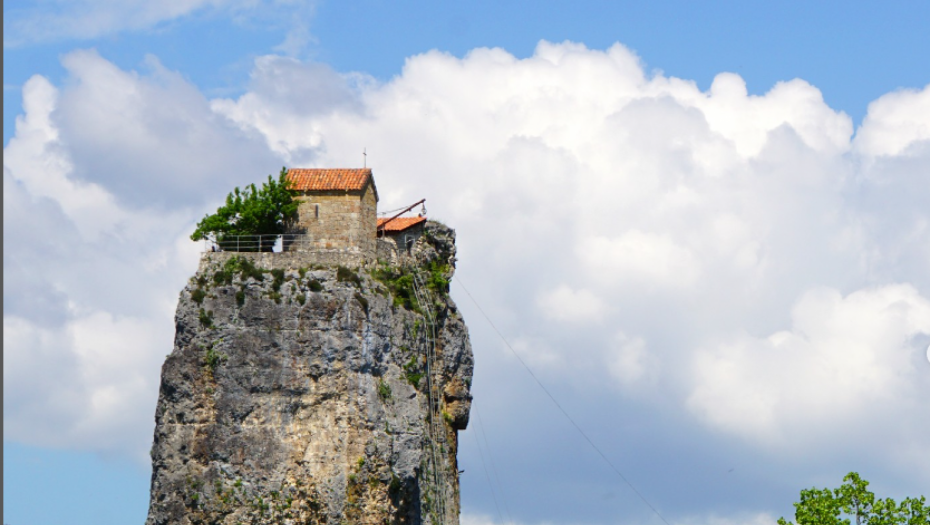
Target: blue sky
{"x": 719, "y": 270}
{"x": 854, "y": 52}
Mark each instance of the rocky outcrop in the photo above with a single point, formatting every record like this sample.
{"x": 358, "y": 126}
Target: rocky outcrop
{"x": 303, "y": 395}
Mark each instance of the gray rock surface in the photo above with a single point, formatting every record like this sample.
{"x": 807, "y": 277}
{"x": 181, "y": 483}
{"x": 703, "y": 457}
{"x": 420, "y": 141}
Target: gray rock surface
{"x": 301, "y": 396}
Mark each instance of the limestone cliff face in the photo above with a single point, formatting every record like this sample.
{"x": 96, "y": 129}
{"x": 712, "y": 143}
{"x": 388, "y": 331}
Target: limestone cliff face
{"x": 301, "y": 395}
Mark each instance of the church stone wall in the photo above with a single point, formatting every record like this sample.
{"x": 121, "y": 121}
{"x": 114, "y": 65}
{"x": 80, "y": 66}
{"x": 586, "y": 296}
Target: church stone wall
{"x": 339, "y": 221}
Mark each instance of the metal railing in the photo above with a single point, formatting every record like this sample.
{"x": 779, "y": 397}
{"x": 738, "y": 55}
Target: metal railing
{"x": 257, "y": 243}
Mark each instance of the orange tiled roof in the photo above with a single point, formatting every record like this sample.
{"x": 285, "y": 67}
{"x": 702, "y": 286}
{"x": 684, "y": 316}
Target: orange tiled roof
{"x": 400, "y": 224}
{"x": 328, "y": 179}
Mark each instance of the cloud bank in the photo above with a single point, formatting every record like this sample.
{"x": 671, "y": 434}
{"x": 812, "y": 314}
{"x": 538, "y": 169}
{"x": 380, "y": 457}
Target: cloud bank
{"x": 748, "y": 271}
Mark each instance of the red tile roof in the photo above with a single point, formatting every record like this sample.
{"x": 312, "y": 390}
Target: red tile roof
{"x": 327, "y": 179}
{"x": 400, "y": 224}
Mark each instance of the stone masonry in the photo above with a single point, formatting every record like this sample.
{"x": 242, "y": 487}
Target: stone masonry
{"x": 338, "y": 216}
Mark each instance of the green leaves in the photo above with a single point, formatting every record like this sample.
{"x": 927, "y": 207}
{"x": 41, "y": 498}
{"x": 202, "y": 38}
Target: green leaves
{"x": 252, "y": 211}
{"x": 853, "y": 503}
{"x": 915, "y": 511}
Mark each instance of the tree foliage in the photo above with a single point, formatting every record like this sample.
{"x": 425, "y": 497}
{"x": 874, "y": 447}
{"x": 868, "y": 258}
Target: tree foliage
{"x": 252, "y": 211}
{"x": 853, "y": 503}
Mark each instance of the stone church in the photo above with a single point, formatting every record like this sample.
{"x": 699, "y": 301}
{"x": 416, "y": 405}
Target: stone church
{"x": 338, "y": 213}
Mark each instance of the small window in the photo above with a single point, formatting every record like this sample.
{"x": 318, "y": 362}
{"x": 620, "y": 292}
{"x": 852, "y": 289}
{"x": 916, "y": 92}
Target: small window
{"x": 316, "y": 211}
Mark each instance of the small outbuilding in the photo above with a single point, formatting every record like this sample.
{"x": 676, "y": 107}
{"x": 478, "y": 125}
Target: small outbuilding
{"x": 402, "y": 231}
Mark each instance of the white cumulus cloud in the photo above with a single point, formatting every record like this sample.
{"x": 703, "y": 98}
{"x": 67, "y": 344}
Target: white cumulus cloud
{"x": 895, "y": 121}
{"x": 640, "y": 257}
{"x": 842, "y": 358}
{"x": 91, "y": 278}
{"x": 566, "y": 304}
{"x": 630, "y": 361}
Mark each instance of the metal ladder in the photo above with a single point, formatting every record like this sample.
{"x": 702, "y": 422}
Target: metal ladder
{"x": 425, "y": 302}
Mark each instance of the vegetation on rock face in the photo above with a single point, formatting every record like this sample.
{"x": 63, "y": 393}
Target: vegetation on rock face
{"x": 252, "y": 211}
{"x": 399, "y": 281}
{"x": 853, "y": 501}
{"x": 412, "y": 372}
{"x": 384, "y": 391}
{"x": 244, "y": 267}
{"x": 206, "y": 318}
{"x": 436, "y": 277}
{"x": 277, "y": 275}
{"x": 198, "y": 295}
{"x": 212, "y": 358}
{"x": 346, "y": 275}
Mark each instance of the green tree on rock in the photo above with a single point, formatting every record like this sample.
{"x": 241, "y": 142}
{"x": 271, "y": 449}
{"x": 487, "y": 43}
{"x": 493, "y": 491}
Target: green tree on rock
{"x": 853, "y": 503}
{"x": 251, "y": 211}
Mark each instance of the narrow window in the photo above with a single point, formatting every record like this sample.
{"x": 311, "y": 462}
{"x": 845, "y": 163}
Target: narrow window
{"x": 316, "y": 211}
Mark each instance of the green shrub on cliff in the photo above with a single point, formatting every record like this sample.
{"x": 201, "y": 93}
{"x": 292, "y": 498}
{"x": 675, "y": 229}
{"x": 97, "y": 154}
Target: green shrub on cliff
{"x": 384, "y": 391}
{"x": 346, "y": 275}
{"x": 400, "y": 282}
{"x": 412, "y": 372}
{"x": 206, "y": 318}
{"x": 244, "y": 267}
{"x": 212, "y": 358}
{"x": 197, "y": 295}
{"x": 436, "y": 280}
{"x": 252, "y": 211}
